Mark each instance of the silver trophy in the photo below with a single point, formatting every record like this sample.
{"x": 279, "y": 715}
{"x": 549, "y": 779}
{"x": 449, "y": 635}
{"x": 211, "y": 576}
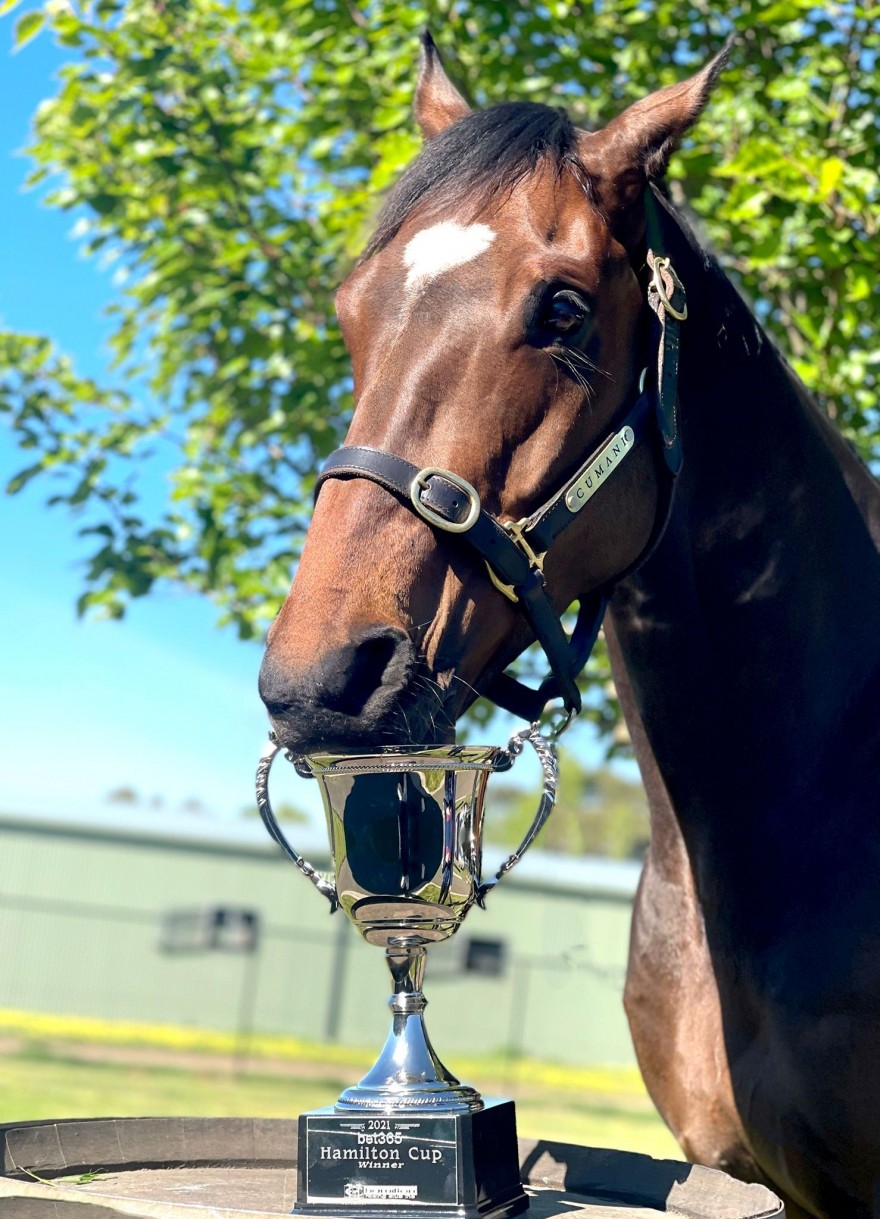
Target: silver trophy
{"x": 406, "y": 831}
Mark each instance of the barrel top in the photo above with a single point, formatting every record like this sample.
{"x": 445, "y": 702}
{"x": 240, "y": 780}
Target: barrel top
{"x": 242, "y": 1168}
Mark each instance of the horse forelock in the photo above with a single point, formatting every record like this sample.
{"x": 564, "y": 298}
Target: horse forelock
{"x": 478, "y": 159}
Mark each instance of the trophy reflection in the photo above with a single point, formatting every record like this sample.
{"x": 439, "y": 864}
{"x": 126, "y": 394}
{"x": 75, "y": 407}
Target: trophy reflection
{"x": 406, "y": 830}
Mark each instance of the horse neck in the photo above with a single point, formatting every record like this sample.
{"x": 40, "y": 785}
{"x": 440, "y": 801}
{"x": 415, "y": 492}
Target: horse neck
{"x": 749, "y": 636}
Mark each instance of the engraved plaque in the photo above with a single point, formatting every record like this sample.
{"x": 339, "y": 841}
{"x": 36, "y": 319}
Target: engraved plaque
{"x": 606, "y": 460}
{"x": 462, "y": 1164}
{"x": 352, "y": 1159}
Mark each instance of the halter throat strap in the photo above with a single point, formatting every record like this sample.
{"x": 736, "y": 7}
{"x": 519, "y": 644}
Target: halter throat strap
{"x": 514, "y": 551}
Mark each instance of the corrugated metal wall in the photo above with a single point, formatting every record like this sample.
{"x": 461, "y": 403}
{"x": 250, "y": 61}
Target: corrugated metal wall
{"x": 81, "y": 913}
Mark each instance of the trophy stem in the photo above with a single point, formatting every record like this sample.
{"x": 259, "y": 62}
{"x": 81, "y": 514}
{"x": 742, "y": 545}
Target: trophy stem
{"x": 408, "y": 1075}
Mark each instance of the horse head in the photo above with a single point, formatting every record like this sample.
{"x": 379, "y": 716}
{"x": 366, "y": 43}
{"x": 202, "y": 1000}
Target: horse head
{"x": 497, "y": 326}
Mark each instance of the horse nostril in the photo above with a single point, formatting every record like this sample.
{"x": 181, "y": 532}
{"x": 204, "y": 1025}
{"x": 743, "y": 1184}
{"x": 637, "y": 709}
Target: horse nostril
{"x": 379, "y": 660}
{"x": 376, "y": 667}
{"x": 275, "y": 687}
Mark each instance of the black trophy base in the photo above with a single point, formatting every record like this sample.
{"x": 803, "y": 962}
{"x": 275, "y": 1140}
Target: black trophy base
{"x": 388, "y": 1166}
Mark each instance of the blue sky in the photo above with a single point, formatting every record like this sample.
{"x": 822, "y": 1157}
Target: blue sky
{"x": 163, "y": 701}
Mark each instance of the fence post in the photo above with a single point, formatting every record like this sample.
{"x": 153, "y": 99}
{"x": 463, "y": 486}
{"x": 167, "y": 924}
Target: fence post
{"x": 336, "y": 992}
{"x": 247, "y": 1006}
{"x": 518, "y": 1014}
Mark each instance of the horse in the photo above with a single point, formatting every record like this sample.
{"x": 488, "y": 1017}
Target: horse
{"x": 501, "y": 323}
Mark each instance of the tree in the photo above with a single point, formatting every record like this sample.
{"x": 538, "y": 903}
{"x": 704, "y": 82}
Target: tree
{"x": 597, "y": 812}
{"x": 284, "y": 811}
{"x": 123, "y": 795}
{"x": 229, "y": 158}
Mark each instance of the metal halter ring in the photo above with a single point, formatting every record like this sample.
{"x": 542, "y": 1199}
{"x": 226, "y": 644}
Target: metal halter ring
{"x": 561, "y": 719}
{"x": 420, "y": 483}
{"x": 664, "y": 264}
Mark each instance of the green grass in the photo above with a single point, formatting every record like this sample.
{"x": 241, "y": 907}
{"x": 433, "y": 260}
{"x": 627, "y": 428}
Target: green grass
{"x": 51, "y": 1084}
{"x": 66, "y": 1078}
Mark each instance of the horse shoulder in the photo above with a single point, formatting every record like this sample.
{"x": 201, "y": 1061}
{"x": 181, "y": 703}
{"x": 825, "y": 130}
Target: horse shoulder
{"x": 671, "y": 996}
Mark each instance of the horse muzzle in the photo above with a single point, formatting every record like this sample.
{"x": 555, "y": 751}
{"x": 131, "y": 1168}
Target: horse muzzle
{"x": 356, "y": 695}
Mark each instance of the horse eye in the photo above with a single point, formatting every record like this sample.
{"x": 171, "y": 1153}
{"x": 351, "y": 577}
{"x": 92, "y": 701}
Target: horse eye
{"x": 566, "y": 314}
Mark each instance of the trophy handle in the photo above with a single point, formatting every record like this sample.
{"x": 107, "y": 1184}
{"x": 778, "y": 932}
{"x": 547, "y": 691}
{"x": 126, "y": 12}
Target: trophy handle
{"x": 550, "y": 765}
{"x": 267, "y": 757}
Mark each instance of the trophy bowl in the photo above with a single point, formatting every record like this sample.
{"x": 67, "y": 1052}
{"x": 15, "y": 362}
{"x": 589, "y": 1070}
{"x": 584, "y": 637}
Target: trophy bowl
{"x": 406, "y": 833}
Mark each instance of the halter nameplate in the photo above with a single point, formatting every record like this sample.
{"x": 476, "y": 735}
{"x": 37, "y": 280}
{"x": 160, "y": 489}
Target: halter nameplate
{"x": 607, "y": 459}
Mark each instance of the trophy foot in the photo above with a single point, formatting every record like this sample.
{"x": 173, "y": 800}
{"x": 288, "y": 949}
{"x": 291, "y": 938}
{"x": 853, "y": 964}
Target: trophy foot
{"x": 443, "y": 1098}
{"x": 408, "y": 1077}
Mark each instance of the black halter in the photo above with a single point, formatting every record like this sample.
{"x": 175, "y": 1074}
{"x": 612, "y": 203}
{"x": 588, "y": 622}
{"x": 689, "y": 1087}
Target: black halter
{"x": 514, "y": 551}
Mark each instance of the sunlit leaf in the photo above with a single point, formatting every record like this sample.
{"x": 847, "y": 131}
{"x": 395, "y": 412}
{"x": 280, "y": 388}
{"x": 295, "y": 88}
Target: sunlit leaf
{"x": 28, "y": 26}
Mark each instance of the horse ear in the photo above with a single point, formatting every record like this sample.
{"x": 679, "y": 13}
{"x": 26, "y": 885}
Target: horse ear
{"x": 438, "y": 104}
{"x": 635, "y": 147}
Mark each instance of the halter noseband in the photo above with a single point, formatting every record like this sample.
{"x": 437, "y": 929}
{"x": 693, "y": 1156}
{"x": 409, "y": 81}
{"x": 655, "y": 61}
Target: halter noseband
{"x": 514, "y": 551}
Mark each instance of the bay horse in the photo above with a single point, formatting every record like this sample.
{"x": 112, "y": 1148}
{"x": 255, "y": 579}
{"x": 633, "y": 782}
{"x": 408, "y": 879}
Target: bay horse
{"x": 499, "y": 324}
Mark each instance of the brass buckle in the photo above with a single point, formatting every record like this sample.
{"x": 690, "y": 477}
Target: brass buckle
{"x": 420, "y": 483}
{"x": 517, "y": 529}
{"x": 662, "y": 263}
{"x": 505, "y": 589}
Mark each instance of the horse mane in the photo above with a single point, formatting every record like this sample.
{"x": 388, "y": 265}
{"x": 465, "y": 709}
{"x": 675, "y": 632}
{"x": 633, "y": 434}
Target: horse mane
{"x": 486, "y": 153}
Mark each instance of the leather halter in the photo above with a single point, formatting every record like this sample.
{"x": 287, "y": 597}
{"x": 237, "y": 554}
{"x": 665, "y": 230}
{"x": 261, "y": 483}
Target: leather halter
{"x": 514, "y": 551}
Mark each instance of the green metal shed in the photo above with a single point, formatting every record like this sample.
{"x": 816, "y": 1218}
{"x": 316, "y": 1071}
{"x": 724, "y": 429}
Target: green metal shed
{"x": 201, "y": 923}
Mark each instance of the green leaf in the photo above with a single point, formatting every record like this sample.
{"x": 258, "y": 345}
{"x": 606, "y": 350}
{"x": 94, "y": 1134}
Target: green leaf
{"x": 788, "y": 88}
{"x": 830, "y": 175}
{"x": 27, "y": 27}
{"x": 103, "y": 203}
{"x": 21, "y": 480}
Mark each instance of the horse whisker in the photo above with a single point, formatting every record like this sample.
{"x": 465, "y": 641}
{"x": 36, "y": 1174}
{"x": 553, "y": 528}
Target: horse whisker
{"x": 562, "y": 357}
{"x": 577, "y": 354}
{"x": 473, "y": 689}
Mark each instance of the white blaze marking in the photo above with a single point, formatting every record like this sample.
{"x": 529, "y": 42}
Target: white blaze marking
{"x": 442, "y": 247}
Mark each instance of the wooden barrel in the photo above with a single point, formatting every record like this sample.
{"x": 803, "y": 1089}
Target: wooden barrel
{"x": 243, "y": 1168}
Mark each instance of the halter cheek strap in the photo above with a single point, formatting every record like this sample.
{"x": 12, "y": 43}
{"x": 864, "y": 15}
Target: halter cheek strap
{"x": 514, "y": 551}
